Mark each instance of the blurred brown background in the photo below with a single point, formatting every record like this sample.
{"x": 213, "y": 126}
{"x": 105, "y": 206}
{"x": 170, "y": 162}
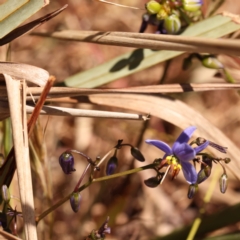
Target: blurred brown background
{"x": 136, "y": 212}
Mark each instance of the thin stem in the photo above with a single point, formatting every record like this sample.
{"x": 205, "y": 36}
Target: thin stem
{"x": 104, "y": 158}
{"x": 125, "y": 144}
{"x": 224, "y": 169}
{"x": 63, "y": 200}
{"x": 83, "y": 155}
{"x": 135, "y": 170}
{"x": 185, "y": 16}
{"x": 81, "y": 178}
{"x": 60, "y": 202}
{"x": 164, "y": 176}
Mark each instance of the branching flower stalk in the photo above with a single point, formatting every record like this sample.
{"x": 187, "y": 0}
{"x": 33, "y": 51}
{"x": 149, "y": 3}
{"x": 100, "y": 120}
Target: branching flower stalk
{"x": 175, "y": 159}
{"x": 84, "y": 186}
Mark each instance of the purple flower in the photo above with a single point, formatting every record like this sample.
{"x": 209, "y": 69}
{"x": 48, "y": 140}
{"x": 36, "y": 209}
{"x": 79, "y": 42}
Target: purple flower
{"x": 181, "y": 153}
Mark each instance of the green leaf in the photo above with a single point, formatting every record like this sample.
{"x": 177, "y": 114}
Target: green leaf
{"x": 140, "y": 59}
{"x": 15, "y": 12}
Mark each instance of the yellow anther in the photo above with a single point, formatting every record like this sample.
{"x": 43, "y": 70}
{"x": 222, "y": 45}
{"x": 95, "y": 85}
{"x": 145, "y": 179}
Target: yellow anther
{"x": 179, "y": 166}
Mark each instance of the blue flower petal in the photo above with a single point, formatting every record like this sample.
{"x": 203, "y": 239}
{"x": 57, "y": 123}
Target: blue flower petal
{"x": 189, "y": 172}
{"x": 185, "y": 135}
{"x": 201, "y": 147}
{"x": 161, "y": 145}
{"x": 183, "y": 152}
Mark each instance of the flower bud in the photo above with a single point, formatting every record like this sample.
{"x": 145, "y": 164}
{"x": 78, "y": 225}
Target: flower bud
{"x": 203, "y": 174}
{"x": 162, "y": 14}
{"x": 66, "y": 161}
{"x": 152, "y": 182}
{"x": 227, "y": 160}
{"x": 192, "y": 190}
{"x": 153, "y": 7}
{"x": 212, "y": 62}
{"x": 192, "y": 5}
{"x": 6, "y": 194}
{"x": 75, "y": 201}
{"x": 111, "y": 165}
{"x": 223, "y": 182}
{"x": 137, "y": 154}
{"x": 172, "y": 24}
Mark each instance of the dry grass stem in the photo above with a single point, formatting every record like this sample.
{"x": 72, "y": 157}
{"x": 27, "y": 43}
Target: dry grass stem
{"x": 21, "y": 150}
{"x": 60, "y": 92}
{"x": 61, "y": 111}
{"x": 150, "y": 41}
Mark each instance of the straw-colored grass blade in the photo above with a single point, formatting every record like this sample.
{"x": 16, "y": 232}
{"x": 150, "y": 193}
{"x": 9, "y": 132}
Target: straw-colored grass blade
{"x": 18, "y": 15}
{"x": 214, "y": 27}
{"x": 62, "y": 111}
{"x": 16, "y": 98}
{"x": 22, "y": 71}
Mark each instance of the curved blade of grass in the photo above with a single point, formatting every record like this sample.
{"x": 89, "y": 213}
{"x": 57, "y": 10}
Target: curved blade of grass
{"x": 175, "y": 112}
{"x": 140, "y": 59}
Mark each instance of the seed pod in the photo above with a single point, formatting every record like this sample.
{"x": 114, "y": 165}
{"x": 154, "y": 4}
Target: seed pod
{"x": 192, "y": 5}
{"x": 192, "y": 190}
{"x": 111, "y": 165}
{"x": 212, "y": 62}
{"x": 223, "y": 182}
{"x": 152, "y": 182}
{"x": 75, "y": 201}
{"x": 153, "y": 7}
{"x": 66, "y": 161}
{"x": 172, "y": 24}
{"x": 137, "y": 154}
{"x": 6, "y": 194}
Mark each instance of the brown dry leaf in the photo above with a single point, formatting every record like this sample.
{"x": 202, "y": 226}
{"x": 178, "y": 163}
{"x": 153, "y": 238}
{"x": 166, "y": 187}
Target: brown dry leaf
{"x": 173, "y": 111}
{"x": 27, "y": 72}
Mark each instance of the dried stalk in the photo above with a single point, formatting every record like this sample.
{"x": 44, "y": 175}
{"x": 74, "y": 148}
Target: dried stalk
{"x": 150, "y": 41}
{"x": 59, "y": 92}
{"x": 61, "y": 111}
{"x": 16, "y": 98}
